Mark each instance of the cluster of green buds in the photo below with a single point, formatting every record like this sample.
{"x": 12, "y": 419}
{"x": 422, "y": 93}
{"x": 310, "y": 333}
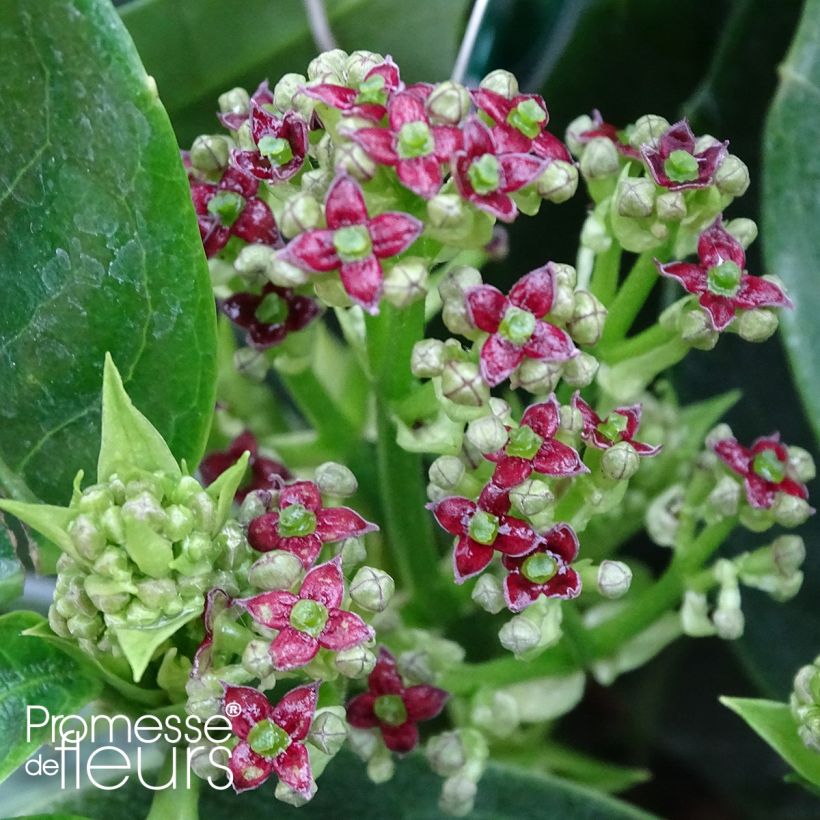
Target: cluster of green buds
{"x": 805, "y": 704}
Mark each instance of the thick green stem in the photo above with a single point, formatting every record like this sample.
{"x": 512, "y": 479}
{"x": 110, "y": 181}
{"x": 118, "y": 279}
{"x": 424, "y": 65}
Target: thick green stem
{"x": 644, "y": 342}
{"x": 604, "y": 280}
{"x": 175, "y": 800}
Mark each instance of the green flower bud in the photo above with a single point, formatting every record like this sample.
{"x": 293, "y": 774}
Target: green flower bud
{"x": 580, "y": 370}
{"x": 282, "y": 273}
{"x": 614, "y": 579}
{"x": 457, "y": 281}
{"x": 448, "y": 104}
{"x": 285, "y": 794}
{"x": 353, "y": 552}
{"x": 728, "y": 617}
{"x": 788, "y": 553}
{"x": 210, "y": 153}
{"x": 277, "y": 569}
{"x": 594, "y": 234}
{"x": 520, "y": 635}
{"x": 558, "y": 182}
{"x": 755, "y": 519}
{"x": 372, "y": 589}
{"x": 729, "y": 623}
{"x": 588, "y": 317}
{"x": 725, "y": 497}
{"x": 461, "y": 383}
{"x": 351, "y": 158}
{"x": 87, "y": 538}
{"x": 428, "y": 358}
{"x": 256, "y": 658}
{"x": 456, "y": 319}
{"x": 406, "y": 282}
{"x": 446, "y": 472}
{"x": 570, "y": 419}
{"x": 496, "y": 712}
{"x": 380, "y": 767}
{"x": 85, "y": 626}
{"x": 144, "y": 507}
{"x": 179, "y": 522}
{"x": 671, "y": 206}
{"x": 790, "y": 511}
{"x": 718, "y": 433}
{"x": 647, "y": 130}
{"x": 204, "y": 759}
{"x": 502, "y": 82}
{"x": 446, "y": 753}
{"x": 328, "y": 63}
{"x": 458, "y": 795}
{"x": 95, "y": 500}
{"x": 316, "y": 182}
{"x": 620, "y": 462}
{"x": 635, "y": 197}
{"x": 335, "y": 479}
{"x": 487, "y": 434}
{"x": 57, "y": 622}
{"x": 328, "y": 731}
{"x": 355, "y": 663}
{"x": 447, "y": 212}
{"x": 362, "y": 742}
{"x": 158, "y": 594}
{"x": 537, "y": 377}
{"x": 488, "y": 594}
{"x": 580, "y": 125}
{"x": 732, "y": 176}
{"x": 332, "y": 293}
{"x": 235, "y": 101}
{"x": 694, "y": 615}
{"x": 254, "y": 504}
{"x": 801, "y": 464}
{"x": 358, "y": 64}
{"x": 600, "y": 159}
{"x": 696, "y": 329}
{"x": 531, "y": 497}
{"x": 742, "y": 229}
{"x": 300, "y": 213}
{"x": 757, "y": 325}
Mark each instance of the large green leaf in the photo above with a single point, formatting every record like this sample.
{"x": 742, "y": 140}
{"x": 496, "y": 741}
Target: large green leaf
{"x": 34, "y": 673}
{"x": 100, "y": 248}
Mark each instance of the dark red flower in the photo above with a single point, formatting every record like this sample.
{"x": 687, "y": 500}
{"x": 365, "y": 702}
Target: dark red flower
{"x": 520, "y": 124}
{"x": 310, "y": 620}
{"x": 416, "y": 148}
{"x": 676, "y": 165}
{"x": 482, "y": 528}
{"x": 620, "y": 425}
{"x": 270, "y": 737}
{"x": 353, "y": 242}
{"x": 301, "y": 525}
{"x": 600, "y": 128}
{"x": 266, "y": 474}
{"x": 487, "y": 178}
{"x": 544, "y": 571}
{"x": 515, "y": 324}
{"x": 229, "y": 208}
{"x": 764, "y": 468}
{"x": 262, "y": 96}
{"x": 394, "y": 708}
{"x": 720, "y": 280}
{"x": 269, "y": 316}
{"x": 281, "y": 146}
{"x": 533, "y": 447}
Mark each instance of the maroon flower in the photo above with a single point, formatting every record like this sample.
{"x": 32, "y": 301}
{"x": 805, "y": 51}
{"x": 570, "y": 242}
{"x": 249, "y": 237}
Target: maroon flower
{"x": 270, "y": 737}
{"x": 486, "y": 178}
{"x": 676, "y": 165}
{"x": 764, "y": 467}
{"x": 262, "y": 96}
{"x": 281, "y": 146}
{"x": 720, "y": 281}
{"x": 600, "y": 128}
{"x": 301, "y": 525}
{"x": 392, "y": 707}
{"x": 515, "y": 324}
{"x": 229, "y": 208}
{"x": 309, "y": 620}
{"x": 354, "y": 243}
{"x": 266, "y": 474}
{"x": 544, "y": 571}
{"x": 269, "y": 316}
{"x": 620, "y": 425}
{"x": 416, "y": 148}
{"x": 533, "y": 446}
{"x": 482, "y": 527}
{"x": 520, "y": 124}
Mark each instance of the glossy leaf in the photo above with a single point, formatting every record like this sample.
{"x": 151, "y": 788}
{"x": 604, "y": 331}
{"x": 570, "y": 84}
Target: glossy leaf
{"x": 100, "y": 248}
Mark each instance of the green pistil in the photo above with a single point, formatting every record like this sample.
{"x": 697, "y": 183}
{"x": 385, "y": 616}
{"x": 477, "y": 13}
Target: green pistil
{"x": 613, "y": 426}
{"x": 724, "y": 279}
{"x": 372, "y": 91}
{"x": 226, "y": 206}
{"x": 539, "y": 568}
{"x": 485, "y": 175}
{"x": 768, "y": 466}
{"x": 415, "y": 140}
{"x": 272, "y": 310}
{"x": 517, "y": 325}
{"x": 527, "y": 117}
{"x": 352, "y": 243}
{"x": 296, "y": 520}
{"x": 309, "y": 616}
{"x": 681, "y": 166}
{"x": 524, "y": 442}
{"x": 277, "y": 150}
{"x": 390, "y": 709}
{"x": 483, "y": 527}
{"x": 268, "y": 739}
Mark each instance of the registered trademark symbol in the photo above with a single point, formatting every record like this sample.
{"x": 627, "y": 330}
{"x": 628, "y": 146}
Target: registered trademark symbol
{"x": 233, "y": 709}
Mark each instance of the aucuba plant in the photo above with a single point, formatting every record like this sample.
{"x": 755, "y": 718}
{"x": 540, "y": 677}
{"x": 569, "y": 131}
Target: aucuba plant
{"x": 430, "y": 443}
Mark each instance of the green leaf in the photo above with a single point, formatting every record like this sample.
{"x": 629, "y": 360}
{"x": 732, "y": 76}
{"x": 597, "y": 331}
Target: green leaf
{"x": 225, "y": 486}
{"x": 791, "y": 209}
{"x": 100, "y": 249}
{"x": 12, "y": 574}
{"x": 35, "y": 673}
{"x": 773, "y": 721}
{"x": 47, "y": 519}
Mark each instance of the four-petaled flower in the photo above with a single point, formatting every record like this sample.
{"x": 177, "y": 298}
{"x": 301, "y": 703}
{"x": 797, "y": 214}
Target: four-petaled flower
{"x": 262, "y": 96}
{"x": 515, "y": 325}
{"x": 270, "y": 737}
{"x": 353, "y": 243}
{"x": 720, "y": 281}
{"x": 416, "y": 148}
{"x": 481, "y": 528}
{"x": 393, "y": 707}
{"x": 764, "y": 468}
{"x": 533, "y": 447}
{"x": 269, "y": 316}
{"x": 620, "y": 425}
{"x": 487, "y": 178}
{"x": 676, "y": 163}
{"x": 310, "y": 620}
{"x": 266, "y": 474}
{"x": 281, "y": 145}
{"x": 544, "y": 571}
{"x": 229, "y": 208}
{"x": 301, "y": 525}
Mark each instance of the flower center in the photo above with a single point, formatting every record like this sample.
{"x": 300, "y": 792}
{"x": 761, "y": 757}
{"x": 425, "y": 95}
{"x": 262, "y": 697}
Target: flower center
{"x": 527, "y": 117}
{"x": 272, "y": 310}
{"x": 372, "y": 90}
{"x": 309, "y": 616}
{"x": 613, "y": 427}
{"x": 539, "y": 568}
{"x": 276, "y": 149}
{"x": 517, "y": 325}
{"x": 681, "y": 166}
{"x": 415, "y": 140}
{"x": 484, "y": 174}
{"x": 226, "y": 206}
{"x": 724, "y": 279}
{"x": 268, "y": 739}
{"x": 352, "y": 243}
{"x": 390, "y": 709}
{"x": 769, "y": 467}
{"x": 296, "y": 520}
{"x": 483, "y": 527}
{"x": 524, "y": 442}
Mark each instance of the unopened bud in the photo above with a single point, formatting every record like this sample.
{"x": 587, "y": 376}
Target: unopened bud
{"x": 531, "y": 497}
{"x": 316, "y": 182}
{"x": 446, "y": 472}
{"x": 328, "y": 63}
{"x": 594, "y": 233}
{"x": 694, "y": 615}
{"x": 254, "y": 262}
{"x": 788, "y": 553}
{"x": 428, "y": 358}
{"x": 729, "y": 623}
{"x": 635, "y": 197}
{"x": 256, "y": 658}
{"x": 742, "y": 229}
{"x": 620, "y": 462}
{"x": 718, "y": 433}
{"x": 790, "y": 510}
{"x": 558, "y": 182}
{"x": 458, "y": 795}
{"x": 251, "y": 363}
{"x": 502, "y": 82}
{"x": 209, "y": 153}
{"x": 351, "y": 158}
{"x": 335, "y": 479}
{"x": 488, "y": 594}
{"x": 570, "y": 419}
{"x": 487, "y": 434}
{"x": 357, "y": 662}
{"x": 235, "y": 101}
{"x": 588, "y": 317}
{"x": 358, "y": 64}
{"x": 456, "y": 319}
{"x": 757, "y": 325}
{"x": 671, "y": 206}
{"x": 380, "y": 767}
{"x": 647, "y": 130}
{"x": 520, "y": 635}
{"x": 446, "y": 753}
{"x": 372, "y": 589}
{"x": 328, "y": 731}
{"x": 756, "y": 519}
{"x": 457, "y": 281}
{"x": 696, "y": 329}
{"x": 254, "y": 504}
{"x": 600, "y": 159}
{"x": 406, "y": 282}
{"x": 614, "y": 579}
{"x": 301, "y": 212}
{"x": 462, "y": 384}
{"x": 87, "y": 538}
{"x": 801, "y": 464}
{"x": 283, "y": 273}
{"x": 275, "y": 570}
{"x": 537, "y": 377}
{"x": 572, "y": 137}
{"x": 362, "y": 742}
{"x": 580, "y": 370}
{"x": 448, "y": 103}
{"x": 495, "y": 711}
{"x": 446, "y": 212}
{"x": 332, "y": 293}
{"x": 725, "y": 497}
{"x": 732, "y": 176}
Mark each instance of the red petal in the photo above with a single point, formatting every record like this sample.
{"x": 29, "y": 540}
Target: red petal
{"x": 393, "y": 232}
{"x": 511, "y": 471}
{"x": 291, "y": 649}
{"x": 534, "y": 291}
{"x": 756, "y": 292}
{"x": 566, "y": 584}
{"x": 716, "y": 245}
{"x": 486, "y": 307}
{"x": 632, "y": 414}
{"x": 562, "y": 541}
{"x": 344, "y": 630}
{"x": 378, "y": 143}
{"x": 499, "y": 357}
{"x": 692, "y": 277}
{"x": 253, "y": 164}
{"x": 721, "y": 310}
{"x": 263, "y": 532}
{"x": 496, "y": 105}
{"x": 271, "y": 609}
{"x": 305, "y": 547}
{"x": 759, "y": 491}
{"x": 469, "y": 558}
{"x": 548, "y": 146}
{"x": 385, "y": 678}
{"x": 448, "y": 141}
{"x": 213, "y": 465}
{"x": 236, "y": 180}
{"x": 263, "y": 122}
{"x": 543, "y": 418}
{"x": 734, "y": 455}
{"x": 558, "y": 459}
{"x": 515, "y": 537}
{"x": 424, "y": 702}
{"x": 550, "y": 343}
{"x": 646, "y": 450}
{"x": 493, "y": 499}
{"x": 422, "y": 175}
{"x": 519, "y": 593}
{"x": 335, "y": 523}
{"x": 509, "y": 140}
{"x": 253, "y": 707}
{"x": 305, "y": 493}
{"x": 771, "y": 442}
{"x": 498, "y": 204}
{"x": 477, "y": 138}
{"x": 293, "y": 768}
{"x": 256, "y": 223}
{"x": 389, "y": 70}
{"x": 400, "y": 739}
{"x": 453, "y": 514}
{"x": 360, "y": 713}
{"x": 590, "y": 417}
{"x": 336, "y": 96}
{"x": 244, "y": 758}
{"x": 362, "y": 281}
{"x": 313, "y": 250}
{"x": 294, "y": 712}
{"x": 345, "y": 204}
{"x": 519, "y": 170}
{"x": 403, "y": 108}
{"x": 324, "y": 584}
{"x": 792, "y": 487}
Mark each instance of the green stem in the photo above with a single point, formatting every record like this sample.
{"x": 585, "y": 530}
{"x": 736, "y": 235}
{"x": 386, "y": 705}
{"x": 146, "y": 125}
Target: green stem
{"x": 644, "y": 342}
{"x": 604, "y": 280}
{"x": 178, "y": 802}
